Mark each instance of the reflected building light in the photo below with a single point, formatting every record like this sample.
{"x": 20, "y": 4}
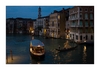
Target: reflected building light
{"x": 16, "y": 59}
{"x": 84, "y": 48}
{"x": 84, "y": 54}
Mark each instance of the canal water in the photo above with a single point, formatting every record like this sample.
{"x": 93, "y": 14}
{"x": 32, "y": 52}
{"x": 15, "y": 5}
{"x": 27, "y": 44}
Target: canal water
{"x": 17, "y": 51}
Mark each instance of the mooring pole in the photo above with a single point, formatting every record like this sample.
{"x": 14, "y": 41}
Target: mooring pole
{"x": 7, "y": 58}
{"x": 11, "y": 54}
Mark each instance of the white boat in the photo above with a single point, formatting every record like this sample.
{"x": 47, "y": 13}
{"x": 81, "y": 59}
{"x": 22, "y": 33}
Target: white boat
{"x": 37, "y": 48}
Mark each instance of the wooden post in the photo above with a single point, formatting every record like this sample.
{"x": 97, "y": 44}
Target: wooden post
{"x": 11, "y": 54}
{"x": 7, "y": 57}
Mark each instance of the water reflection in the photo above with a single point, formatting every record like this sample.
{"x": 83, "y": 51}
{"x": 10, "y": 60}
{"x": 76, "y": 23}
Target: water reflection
{"x": 16, "y": 59}
{"x": 35, "y": 60}
{"x": 66, "y": 45}
{"x": 84, "y": 54}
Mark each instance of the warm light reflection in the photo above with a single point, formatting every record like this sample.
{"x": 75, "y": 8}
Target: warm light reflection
{"x": 84, "y": 54}
{"x": 84, "y": 48}
{"x": 16, "y": 59}
{"x": 66, "y": 45}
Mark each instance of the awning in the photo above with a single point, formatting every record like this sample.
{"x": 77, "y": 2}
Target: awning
{"x": 36, "y": 43}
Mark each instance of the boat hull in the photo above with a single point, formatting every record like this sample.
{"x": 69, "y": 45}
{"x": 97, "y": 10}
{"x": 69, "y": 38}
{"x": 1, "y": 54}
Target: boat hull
{"x": 37, "y": 58}
{"x": 66, "y": 49}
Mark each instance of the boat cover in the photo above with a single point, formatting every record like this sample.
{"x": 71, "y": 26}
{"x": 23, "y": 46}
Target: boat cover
{"x": 36, "y": 43}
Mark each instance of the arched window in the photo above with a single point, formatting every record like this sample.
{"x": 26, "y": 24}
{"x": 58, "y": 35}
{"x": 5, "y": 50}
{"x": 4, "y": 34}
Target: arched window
{"x": 86, "y": 37}
{"x": 76, "y": 37}
{"x": 52, "y": 23}
{"x": 81, "y": 37}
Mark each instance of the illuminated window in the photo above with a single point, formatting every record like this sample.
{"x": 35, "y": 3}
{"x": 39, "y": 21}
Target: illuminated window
{"x": 58, "y": 17}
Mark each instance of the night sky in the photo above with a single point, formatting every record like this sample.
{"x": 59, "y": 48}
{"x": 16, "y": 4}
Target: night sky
{"x": 31, "y": 11}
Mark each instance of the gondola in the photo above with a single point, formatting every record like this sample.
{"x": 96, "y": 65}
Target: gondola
{"x": 65, "y": 49}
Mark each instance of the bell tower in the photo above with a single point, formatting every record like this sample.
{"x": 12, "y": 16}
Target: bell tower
{"x": 39, "y": 12}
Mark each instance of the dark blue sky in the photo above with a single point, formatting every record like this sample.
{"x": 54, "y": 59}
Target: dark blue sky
{"x": 30, "y": 11}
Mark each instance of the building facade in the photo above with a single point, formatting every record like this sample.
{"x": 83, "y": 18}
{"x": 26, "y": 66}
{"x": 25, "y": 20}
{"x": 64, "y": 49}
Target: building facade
{"x": 81, "y": 20}
{"x": 10, "y": 24}
{"x": 57, "y": 23}
{"x": 54, "y": 22}
{"x": 41, "y": 25}
{"x": 30, "y": 26}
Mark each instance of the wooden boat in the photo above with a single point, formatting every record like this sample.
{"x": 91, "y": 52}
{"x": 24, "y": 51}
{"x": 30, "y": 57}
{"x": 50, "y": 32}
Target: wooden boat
{"x": 65, "y": 49}
{"x": 37, "y": 48}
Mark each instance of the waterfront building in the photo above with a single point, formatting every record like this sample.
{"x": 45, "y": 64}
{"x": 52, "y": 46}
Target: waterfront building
{"x": 54, "y": 22}
{"x": 10, "y": 25}
{"x": 19, "y": 25}
{"x": 35, "y": 24}
{"x": 57, "y": 22}
{"x": 81, "y": 20}
{"x": 41, "y": 25}
{"x": 30, "y": 26}
{"x": 46, "y": 28}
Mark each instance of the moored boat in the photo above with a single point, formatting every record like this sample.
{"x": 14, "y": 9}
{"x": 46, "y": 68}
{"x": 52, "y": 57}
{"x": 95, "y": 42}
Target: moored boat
{"x": 37, "y": 48}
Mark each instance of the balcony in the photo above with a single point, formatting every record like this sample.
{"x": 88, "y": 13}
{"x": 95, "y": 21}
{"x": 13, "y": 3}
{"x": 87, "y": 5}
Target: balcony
{"x": 72, "y": 25}
{"x": 52, "y": 27}
{"x": 74, "y": 12}
{"x": 73, "y": 18}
